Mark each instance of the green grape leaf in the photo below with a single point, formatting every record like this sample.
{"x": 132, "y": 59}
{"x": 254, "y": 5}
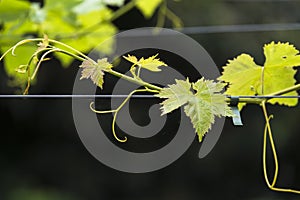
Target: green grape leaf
{"x": 13, "y": 9}
{"x": 37, "y": 14}
{"x": 114, "y": 2}
{"x": 245, "y": 77}
{"x": 57, "y": 18}
{"x": 176, "y": 95}
{"x": 207, "y": 103}
{"x": 131, "y": 59}
{"x": 83, "y": 43}
{"x": 152, "y": 63}
{"x": 99, "y": 40}
{"x": 202, "y": 101}
{"x": 148, "y": 7}
{"x": 87, "y": 6}
{"x": 94, "y": 17}
{"x": 66, "y": 5}
{"x": 95, "y": 72}
{"x": 12, "y": 31}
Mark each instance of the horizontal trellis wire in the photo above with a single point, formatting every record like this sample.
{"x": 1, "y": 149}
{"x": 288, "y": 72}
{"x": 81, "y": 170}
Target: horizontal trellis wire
{"x": 82, "y": 96}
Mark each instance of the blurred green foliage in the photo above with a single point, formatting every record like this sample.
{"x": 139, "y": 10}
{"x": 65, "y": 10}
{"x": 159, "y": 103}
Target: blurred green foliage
{"x": 82, "y": 24}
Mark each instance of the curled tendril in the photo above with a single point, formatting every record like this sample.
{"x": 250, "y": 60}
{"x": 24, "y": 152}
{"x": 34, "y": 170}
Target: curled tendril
{"x": 116, "y": 111}
{"x": 45, "y": 50}
{"x": 268, "y": 131}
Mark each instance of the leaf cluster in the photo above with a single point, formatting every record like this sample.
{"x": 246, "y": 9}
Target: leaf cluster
{"x": 81, "y": 24}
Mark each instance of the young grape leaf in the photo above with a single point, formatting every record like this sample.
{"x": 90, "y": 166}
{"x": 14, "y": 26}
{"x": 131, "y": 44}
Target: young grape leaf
{"x": 148, "y": 7}
{"x": 95, "y": 72}
{"x": 176, "y": 95}
{"x": 245, "y": 77}
{"x": 203, "y": 101}
{"x": 152, "y": 63}
{"x": 67, "y": 21}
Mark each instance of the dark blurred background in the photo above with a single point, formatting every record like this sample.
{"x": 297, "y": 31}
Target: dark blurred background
{"x": 42, "y": 157}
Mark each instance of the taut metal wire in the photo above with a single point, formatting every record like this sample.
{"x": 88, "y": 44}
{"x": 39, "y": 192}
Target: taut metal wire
{"x": 104, "y": 96}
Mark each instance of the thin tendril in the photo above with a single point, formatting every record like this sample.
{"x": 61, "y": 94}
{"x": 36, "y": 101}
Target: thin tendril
{"x": 99, "y": 111}
{"x": 32, "y": 59}
{"x": 269, "y": 132}
{"x": 264, "y": 153}
{"x": 116, "y": 111}
{"x": 22, "y": 42}
{"x": 5, "y": 53}
{"x": 41, "y": 60}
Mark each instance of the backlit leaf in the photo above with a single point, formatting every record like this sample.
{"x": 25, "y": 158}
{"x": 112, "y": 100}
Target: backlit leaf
{"x": 152, "y": 63}
{"x": 202, "y": 101}
{"x": 176, "y": 95}
{"x": 87, "y": 6}
{"x": 114, "y": 2}
{"x": 13, "y": 10}
{"x": 95, "y": 71}
{"x": 247, "y": 78}
{"x": 37, "y": 14}
{"x": 148, "y": 7}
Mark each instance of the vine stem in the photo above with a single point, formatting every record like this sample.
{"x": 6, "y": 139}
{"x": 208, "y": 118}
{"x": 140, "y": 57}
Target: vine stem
{"x": 286, "y": 90}
{"x": 82, "y": 57}
{"x": 260, "y": 100}
{"x": 136, "y": 81}
{"x": 268, "y": 131}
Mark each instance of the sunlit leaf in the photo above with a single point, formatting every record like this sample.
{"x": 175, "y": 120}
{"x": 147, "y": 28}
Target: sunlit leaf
{"x": 95, "y": 71}
{"x": 94, "y": 17}
{"x": 114, "y": 2}
{"x": 66, "y": 5}
{"x": 85, "y": 43}
{"x": 148, "y": 7}
{"x": 15, "y": 29}
{"x": 37, "y": 14}
{"x": 131, "y": 59}
{"x": 202, "y": 101}
{"x": 68, "y": 21}
{"x": 87, "y": 6}
{"x": 176, "y": 95}
{"x": 13, "y": 10}
{"x": 247, "y": 78}
{"x": 54, "y": 20}
{"x": 152, "y": 63}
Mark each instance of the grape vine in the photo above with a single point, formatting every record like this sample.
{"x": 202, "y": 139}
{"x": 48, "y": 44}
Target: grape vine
{"x": 81, "y": 24}
{"x": 202, "y": 100}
